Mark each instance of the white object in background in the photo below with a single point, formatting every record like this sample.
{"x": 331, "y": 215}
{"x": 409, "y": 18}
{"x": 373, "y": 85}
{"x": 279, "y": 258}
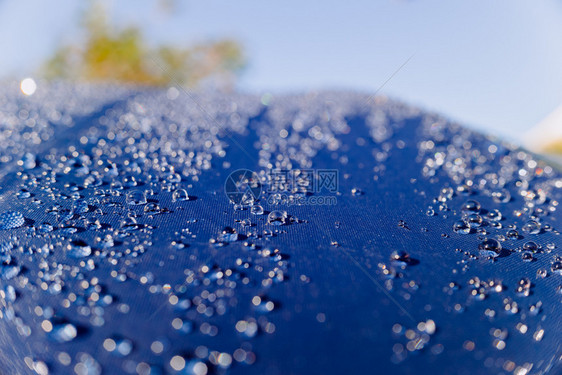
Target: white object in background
{"x": 28, "y": 86}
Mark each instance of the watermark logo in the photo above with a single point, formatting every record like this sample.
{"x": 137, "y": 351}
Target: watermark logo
{"x": 328, "y": 179}
{"x": 243, "y": 186}
{"x": 283, "y": 186}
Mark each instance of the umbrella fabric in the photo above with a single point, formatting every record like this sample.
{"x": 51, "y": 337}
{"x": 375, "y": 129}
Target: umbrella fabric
{"x": 165, "y": 231}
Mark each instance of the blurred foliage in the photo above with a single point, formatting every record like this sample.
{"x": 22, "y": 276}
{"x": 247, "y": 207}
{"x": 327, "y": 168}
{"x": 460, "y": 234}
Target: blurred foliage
{"x": 123, "y": 56}
{"x": 554, "y": 147}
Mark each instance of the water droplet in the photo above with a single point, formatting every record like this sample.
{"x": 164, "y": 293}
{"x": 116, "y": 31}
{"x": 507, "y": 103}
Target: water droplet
{"x": 248, "y": 199}
{"x": 527, "y": 256}
{"x": 446, "y": 194}
{"x": 501, "y": 196}
{"x": 106, "y": 242}
{"x": 277, "y": 217}
{"x": 494, "y": 215}
{"x": 129, "y": 224}
{"x": 87, "y": 365}
{"x": 430, "y": 211}
{"x": 512, "y": 234}
{"x": 470, "y": 206}
{"x": 136, "y": 197}
{"x": 523, "y": 287}
{"x": 228, "y": 235}
{"x": 92, "y": 225}
{"x": 69, "y": 230}
{"x": 118, "y": 346}
{"x": 45, "y": 228}
{"x": 9, "y": 270}
{"x": 490, "y": 248}
{"x": 263, "y": 304}
{"x": 249, "y": 328}
{"x": 402, "y": 224}
{"x": 400, "y": 259}
{"x": 62, "y": 332}
{"x": 530, "y": 246}
{"x": 23, "y": 194}
{"x": 531, "y": 227}
{"x": 152, "y": 208}
{"x": 556, "y": 267}
{"x": 10, "y": 293}
{"x": 461, "y": 227}
{"x": 356, "y": 192}
{"x": 29, "y": 161}
{"x": 182, "y": 325}
{"x": 474, "y": 220}
{"x": 81, "y": 208}
{"x": 78, "y": 249}
{"x": 28, "y": 86}
{"x": 464, "y": 190}
{"x": 65, "y": 215}
{"x": 256, "y": 210}
{"x": 180, "y": 195}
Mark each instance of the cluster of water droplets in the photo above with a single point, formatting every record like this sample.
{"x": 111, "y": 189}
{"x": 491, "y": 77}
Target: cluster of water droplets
{"x": 499, "y": 201}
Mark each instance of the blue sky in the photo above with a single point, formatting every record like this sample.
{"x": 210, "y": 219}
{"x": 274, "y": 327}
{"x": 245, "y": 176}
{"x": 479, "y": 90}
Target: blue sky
{"x": 493, "y": 65}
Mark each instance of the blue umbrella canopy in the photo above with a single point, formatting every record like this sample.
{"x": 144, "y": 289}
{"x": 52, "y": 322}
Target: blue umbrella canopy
{"x": 164, "y": 231}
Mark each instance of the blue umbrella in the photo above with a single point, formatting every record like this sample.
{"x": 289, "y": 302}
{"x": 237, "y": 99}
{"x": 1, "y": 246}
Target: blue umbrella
{"x": 149, "y": 232}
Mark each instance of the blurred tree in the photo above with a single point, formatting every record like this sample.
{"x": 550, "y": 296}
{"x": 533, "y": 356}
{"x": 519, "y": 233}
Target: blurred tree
{"x": 123, "y": 56}
{"x": 554, "y": 147}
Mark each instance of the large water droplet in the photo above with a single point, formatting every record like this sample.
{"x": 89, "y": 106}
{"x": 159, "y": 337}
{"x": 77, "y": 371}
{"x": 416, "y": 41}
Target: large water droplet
{"x": 29, "y": 161}
{"x": 530, "y": 246}
{"x": 494, "y": 215}
{"x": 45, "y": 228}
{"x": 152, "y": 208}
{"x": 474, "y": 220}
{"x": 9, "y": 270}
{"x": 556, "y": 267}
{"x": 81, "y": 208}
{"x": 501, "y": 196}
{"x": 256, "y": 210}
{"x": 470, "y": 206}
{"x": 400, "y": 259}
{"x": 461, "y": 227}
{"x": 263, "y": 304}
{"x": 446, "y": 194}
{"x": 180, "y": 195}
{"x": 106, "y": 242}
{"x": 129, "y": 224}
{"x": 23, "y": 194}
{"x": 78, "y": 249}
{"x": 136, "y": 197}
{"x": 490, "y": 247}
{"x": 228, "y": 235}
{"x": 277, "y": 217}
{"x": 87, "y": 365}
{"x": 527, "y": 256}
{"x": 531, "y": 227}
{"x": 62, "y": 332}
